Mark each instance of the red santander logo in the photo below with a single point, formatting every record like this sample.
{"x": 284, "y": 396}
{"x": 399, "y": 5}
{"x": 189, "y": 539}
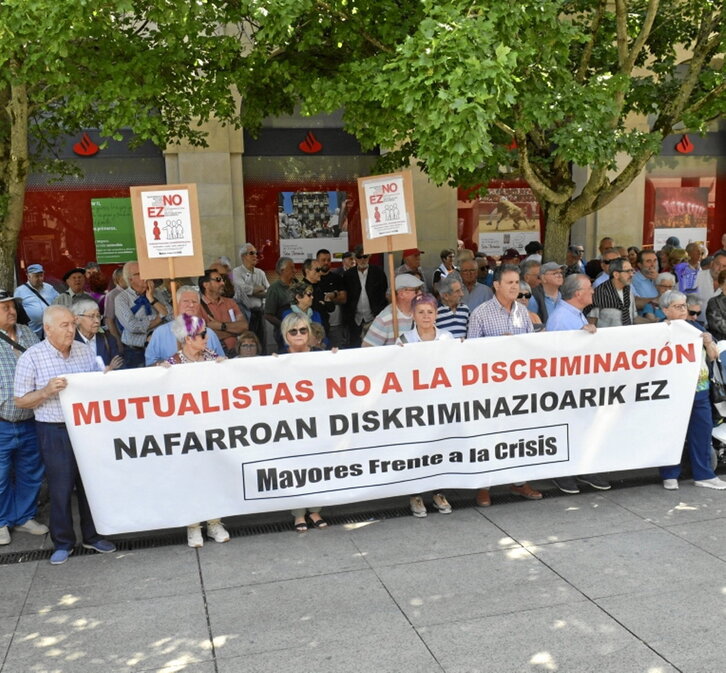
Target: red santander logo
{"x": 311, "y": 145}
{"x": 85, "y": 147}
{"x": 684, "y": 145}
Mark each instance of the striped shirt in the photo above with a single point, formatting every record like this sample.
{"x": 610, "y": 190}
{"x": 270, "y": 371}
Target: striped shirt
{"x": 42, "y": 362}
{"x": 492, "y": 319}
{"x": 455, "y": 323}
{"x": 8, "y": 360}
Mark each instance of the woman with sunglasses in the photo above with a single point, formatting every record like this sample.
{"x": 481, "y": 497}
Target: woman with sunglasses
{"x": 295, "y": 329}
{"x": 191, "y": 335}
{"x": 525, "y": 294}
{"x": 301, "y": 302}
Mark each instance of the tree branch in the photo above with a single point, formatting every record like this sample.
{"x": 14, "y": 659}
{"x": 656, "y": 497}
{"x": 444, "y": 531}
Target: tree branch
{"x": 702, "y": 102}
{"x": 587, "y": 53}
{"x": 621, "y": 24}
{"x": 344, "y": 17}
{"x": 529, "y": 174}
{"x": 640, "y": 41}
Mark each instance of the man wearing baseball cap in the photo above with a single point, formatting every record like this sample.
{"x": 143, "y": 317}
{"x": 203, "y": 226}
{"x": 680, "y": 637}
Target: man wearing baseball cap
{"x": 412, "y": 264}
{"x": 546, "y": 295}
{"x": 21, "y": 470}
{"x": 36, "y": 295}
{"x": 380, "y": 333}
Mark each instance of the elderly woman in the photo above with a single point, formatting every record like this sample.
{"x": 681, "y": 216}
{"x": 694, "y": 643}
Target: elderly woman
{"x": 525, "y": 294}
{"x": 445, "y": 268}
{"x": 191, "y": 335}
{"x": 716, "y": 310}
{"x": 295, "y": 329}
{"x": 89, "y": 331}
{"x": 663, "y": 282}
{"x": 248, "y": 345}
{"x": 301, "y": 303}
{"x": 700, "y": 425}
{"x": 424, "y": 309}
{"x": 694, "y": 306}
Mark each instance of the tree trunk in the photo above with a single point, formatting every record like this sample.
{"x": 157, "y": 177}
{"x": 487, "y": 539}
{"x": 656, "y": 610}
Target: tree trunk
{"x": 14, "y": 178}
{"x": 557, "y": 233}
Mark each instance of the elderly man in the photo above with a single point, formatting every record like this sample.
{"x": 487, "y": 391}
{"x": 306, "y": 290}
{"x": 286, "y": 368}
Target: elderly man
{"x": 39, "y": 376}
{"x": 453, "y": 314}
{"x": 606, "y": 242}
{"x": 613, "y": 301}
{"x": 412, "y": 264}
{"x": 222, "y": 266}
{"x": 139, "y": 310}
{"x": 75, "y": 279}
{"x": 573, "y": 261}
{"x": 366, "y": 287}
{"x": 707, "y": 282}
{"x": 109, "y": 308}
{"x": 36, "y": 295}
{"x": 278, "y": 295}
{"x": 546, "y": 295}
{"x": 335, "y": 296}
{"x": 608, "y": 256}
{"x": 222, "y": 315}
{"x": 163, "y": 344}
{"x": 529, "y": 270}
{"x": 250, "y": 288}
{"x": 380, "y": 333}
{"x": 643, "y": 283}
{"x": 347, "y": 261}
{"x": 502, "y": 315}
{"x": 475, "y": 293}
{"x": 21, "y": 470}
{"x": 576, "y": 295}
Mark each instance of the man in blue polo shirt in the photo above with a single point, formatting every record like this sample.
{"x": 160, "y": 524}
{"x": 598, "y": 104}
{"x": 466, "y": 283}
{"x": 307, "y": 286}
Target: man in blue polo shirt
{"x": 577, "y": 293}
{"x": 36, "y": 295}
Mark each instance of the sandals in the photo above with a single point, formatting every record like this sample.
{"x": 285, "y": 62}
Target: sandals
{"x": 301, "y": 527}
{"x": 318, "y": 523}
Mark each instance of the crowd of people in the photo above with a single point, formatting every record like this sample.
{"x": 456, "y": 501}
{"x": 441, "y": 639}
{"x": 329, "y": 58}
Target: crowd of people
{"x": 47, "y": 333}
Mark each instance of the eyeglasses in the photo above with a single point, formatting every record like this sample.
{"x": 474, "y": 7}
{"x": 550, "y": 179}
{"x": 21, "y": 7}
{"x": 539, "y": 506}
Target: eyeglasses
{"x": 298, "y": 330}
{"x": 626, "y": 271}
{"x": 250, "y": 345}
{"x": 362, "y": 256}
{"x": 317, "y": 269}
{"x": 201, "y": 334}
{"x": 307, "y": 294}
{"x": 218, "y": 279}
{"x": 92, "y": 316}
{"x": 694, "y": 313}
{"x": 607, "y": 261}
{"x": 554, "y": 273}
{"x": 680, "y": 307}
{"x": 524, "y": 295}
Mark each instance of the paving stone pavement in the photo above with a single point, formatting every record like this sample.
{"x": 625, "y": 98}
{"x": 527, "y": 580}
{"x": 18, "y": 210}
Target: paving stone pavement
{"x": 631, "y": 580}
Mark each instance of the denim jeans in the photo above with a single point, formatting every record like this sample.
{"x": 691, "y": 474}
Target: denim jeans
{"x": 21, "y": 472}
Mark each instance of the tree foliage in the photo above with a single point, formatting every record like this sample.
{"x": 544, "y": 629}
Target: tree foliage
{"x": 159, "y": 67}
{"x": 453, "y": 84}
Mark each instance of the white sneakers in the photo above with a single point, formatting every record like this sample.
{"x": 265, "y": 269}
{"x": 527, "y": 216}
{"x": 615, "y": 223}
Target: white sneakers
{"x": 194, "y": 536}
{"x": 30, "y": 526}
{"x": 215, "y": 531}
{"x": 670, "y": 484}
{"x": 711, "y": 483}
{"x": 33, "y": 527}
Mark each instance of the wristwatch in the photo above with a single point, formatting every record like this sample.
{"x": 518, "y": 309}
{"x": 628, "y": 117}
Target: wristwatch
{"x": 224, "y": 326}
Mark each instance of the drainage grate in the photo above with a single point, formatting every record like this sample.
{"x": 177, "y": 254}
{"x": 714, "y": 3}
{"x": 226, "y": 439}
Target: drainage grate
{"x": 458, "y": 501}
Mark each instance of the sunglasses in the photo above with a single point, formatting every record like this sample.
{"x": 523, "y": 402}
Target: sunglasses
{"x": 524, "y": 295}
{"x": 317, "y": 269}
{"x": 216, "y": 280}
{"x": 252, "y": 253}
{"x": 307, "y": 294}
{"x": 298, "y": 330}
{"x": 694, "y": 313}
{"x": 362, "y": 256}
{"x": 201, "y": 334}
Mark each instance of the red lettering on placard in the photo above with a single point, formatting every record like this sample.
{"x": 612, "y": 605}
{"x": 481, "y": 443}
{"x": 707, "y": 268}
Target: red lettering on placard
{"x": 171, "y": 199}
{"x": 155, "y": 211}
{"x": 392, "y": 187}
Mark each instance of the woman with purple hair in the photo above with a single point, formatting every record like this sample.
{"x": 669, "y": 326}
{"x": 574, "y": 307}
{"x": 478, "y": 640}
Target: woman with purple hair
{"x": 191, "y": 335}
{"x": 424, "y": 308}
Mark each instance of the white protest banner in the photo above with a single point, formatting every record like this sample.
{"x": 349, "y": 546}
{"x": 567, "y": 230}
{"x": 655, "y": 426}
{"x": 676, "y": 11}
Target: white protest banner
{"x": 163, "y": 447}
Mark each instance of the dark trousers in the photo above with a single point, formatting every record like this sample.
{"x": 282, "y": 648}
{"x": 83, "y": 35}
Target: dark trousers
{"x": 133, "y": 357}
{"x": 61, "y": 472}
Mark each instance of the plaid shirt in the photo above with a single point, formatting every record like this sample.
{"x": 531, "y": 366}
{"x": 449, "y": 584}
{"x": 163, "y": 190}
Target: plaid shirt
{"x": 492, "y": 319}
{"x": 8, "y": 359}
{"x": 42, "y": 362}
